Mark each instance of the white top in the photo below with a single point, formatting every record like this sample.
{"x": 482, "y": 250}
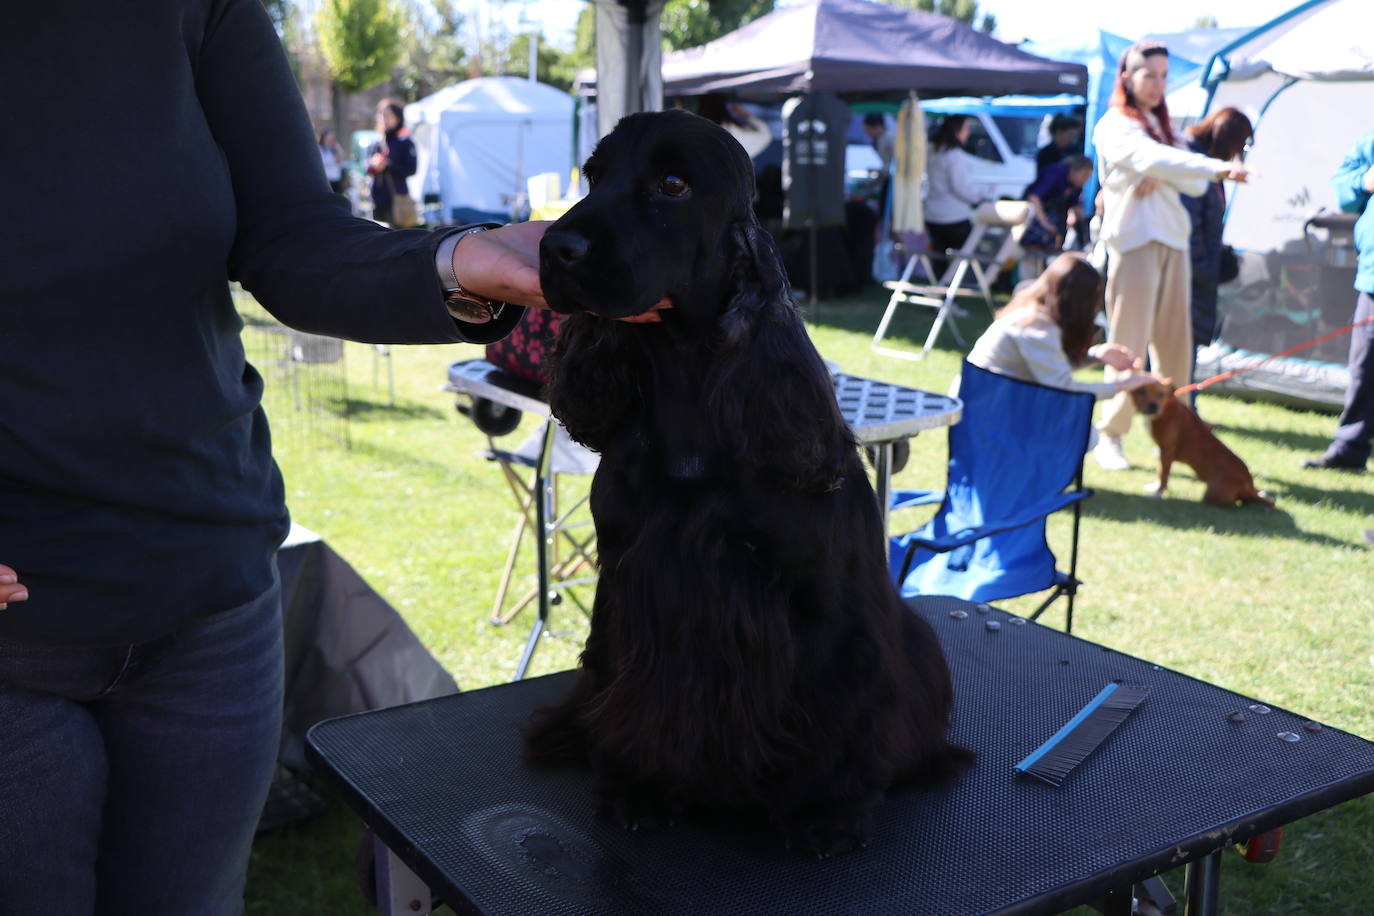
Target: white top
{"x": 1128, "y": 153}
{"x": 333, "y": 168}
{"x": 1032, "y": 352}
{"x": 949, "y": 194}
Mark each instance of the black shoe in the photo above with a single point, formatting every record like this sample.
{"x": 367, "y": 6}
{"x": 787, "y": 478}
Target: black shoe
{"x": 1332, "y": 462}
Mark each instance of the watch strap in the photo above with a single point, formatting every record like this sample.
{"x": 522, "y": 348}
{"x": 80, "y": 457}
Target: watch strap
{"x": 461, "y": 303}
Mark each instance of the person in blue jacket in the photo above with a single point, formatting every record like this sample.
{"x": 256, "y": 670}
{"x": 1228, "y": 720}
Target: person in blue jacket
{"x": 1354, "y": 186}
{"x": 390, "y": 159}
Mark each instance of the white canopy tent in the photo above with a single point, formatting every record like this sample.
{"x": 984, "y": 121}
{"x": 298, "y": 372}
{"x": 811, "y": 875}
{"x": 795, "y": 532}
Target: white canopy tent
{"x": 1306, "y": 80}
{"x": 479, "y": 141}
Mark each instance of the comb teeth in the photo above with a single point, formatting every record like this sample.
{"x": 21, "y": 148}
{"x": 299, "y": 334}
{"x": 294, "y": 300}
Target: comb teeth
{"x": 1055, "y": 759}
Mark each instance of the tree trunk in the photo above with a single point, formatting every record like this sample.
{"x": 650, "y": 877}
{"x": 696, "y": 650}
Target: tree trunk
{"x": 339, "y": 117}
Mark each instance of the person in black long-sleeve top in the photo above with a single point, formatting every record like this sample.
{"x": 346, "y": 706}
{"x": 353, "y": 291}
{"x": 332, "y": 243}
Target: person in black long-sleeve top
{"x": 140, "y": 508}
{"x": 1221, "y": 135}
{"x": 390, "y": 158}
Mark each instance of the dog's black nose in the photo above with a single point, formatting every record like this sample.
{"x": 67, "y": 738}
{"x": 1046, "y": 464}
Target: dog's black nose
{"x": 564, "y": 249}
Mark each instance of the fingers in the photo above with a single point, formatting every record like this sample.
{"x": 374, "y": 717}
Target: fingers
{"x": 10, "y": 587}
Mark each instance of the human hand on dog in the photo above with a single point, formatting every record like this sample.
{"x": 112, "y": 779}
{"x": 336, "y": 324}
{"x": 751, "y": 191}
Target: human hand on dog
{"x": 11, "y": 589}
{"x": 503, "y": 264}
{"x": 1137, "y": 379}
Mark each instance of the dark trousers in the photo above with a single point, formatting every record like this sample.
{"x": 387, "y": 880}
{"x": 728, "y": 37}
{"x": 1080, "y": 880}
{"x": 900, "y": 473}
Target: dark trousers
{"x": 1357, "y": 419}
{"x": 945, "y": 236}
{"x": 132, "y": 777}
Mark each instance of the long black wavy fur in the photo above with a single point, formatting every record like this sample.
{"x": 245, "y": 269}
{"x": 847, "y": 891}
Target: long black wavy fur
{"x": 748, "y": 651}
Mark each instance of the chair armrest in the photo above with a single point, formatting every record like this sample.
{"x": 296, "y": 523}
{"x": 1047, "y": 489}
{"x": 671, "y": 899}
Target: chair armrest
{"x": 995, "y": 526}
{"x": 905, "y": 499}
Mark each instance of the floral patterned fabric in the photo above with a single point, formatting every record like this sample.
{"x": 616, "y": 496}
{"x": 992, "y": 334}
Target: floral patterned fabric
{"x": 524, "y": 350}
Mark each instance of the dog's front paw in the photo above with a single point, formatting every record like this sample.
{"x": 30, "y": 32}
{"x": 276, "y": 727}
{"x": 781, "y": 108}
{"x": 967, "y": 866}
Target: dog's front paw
{"x": 830, "y": 833}
{"x": 1153, "y": 489}
{"x": 635, "y": 805}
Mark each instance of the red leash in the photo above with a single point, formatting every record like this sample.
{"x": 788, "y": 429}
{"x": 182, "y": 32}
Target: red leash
{"x": 1302, "y": 346}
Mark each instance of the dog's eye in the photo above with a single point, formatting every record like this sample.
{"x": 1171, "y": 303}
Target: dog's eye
{"x": 673, "y": 186}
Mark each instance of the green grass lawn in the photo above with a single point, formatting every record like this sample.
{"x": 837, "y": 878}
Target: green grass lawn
{"x": 1276, "y": 605}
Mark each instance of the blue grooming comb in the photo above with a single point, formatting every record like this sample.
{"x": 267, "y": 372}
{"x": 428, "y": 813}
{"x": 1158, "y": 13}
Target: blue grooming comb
{"x": 1055, "y": 759}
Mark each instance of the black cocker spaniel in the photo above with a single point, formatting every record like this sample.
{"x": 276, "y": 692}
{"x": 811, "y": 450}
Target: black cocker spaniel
{"x": 748, "y": 650}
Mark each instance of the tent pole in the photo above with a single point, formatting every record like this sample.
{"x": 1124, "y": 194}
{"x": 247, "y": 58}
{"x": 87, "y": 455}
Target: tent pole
{"x": 634, "y": 55}
{"x": 811, "y": 218}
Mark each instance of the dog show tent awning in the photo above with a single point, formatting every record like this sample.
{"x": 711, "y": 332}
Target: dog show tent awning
{"x": 863, "y": 46}
{"x": 1306, "y": 80}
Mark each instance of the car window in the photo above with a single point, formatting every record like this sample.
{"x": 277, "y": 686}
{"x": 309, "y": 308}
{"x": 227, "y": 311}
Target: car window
{"x": 1022, "y": 134}
{"x": 980, "y": 144}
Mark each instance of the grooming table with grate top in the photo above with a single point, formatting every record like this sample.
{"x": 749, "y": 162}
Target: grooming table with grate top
{"x": 1195, "y": 769}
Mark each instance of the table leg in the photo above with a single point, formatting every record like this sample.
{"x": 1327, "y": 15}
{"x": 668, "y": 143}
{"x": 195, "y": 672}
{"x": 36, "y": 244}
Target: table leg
{"x": 399, "y": 890}
{"x": 543, "y": 538}
{"x": 1201, "y": 884}
{"x": 882, "y": 482}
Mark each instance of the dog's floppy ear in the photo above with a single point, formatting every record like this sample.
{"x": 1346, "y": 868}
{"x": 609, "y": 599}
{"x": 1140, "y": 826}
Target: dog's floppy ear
{"x": 592, "y": 388}
{"x": 771, "y": 398}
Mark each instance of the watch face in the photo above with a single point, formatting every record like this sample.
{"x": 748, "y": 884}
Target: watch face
{"x": 469, "y": 310}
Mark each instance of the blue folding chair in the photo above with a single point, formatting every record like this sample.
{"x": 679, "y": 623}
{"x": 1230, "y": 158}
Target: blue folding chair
{"x": 1012, "y": 460}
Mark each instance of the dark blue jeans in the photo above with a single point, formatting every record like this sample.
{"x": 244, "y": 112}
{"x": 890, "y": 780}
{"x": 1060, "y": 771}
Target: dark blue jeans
{"x": 1352, "y": 440}
{"x": 132, "y": 778}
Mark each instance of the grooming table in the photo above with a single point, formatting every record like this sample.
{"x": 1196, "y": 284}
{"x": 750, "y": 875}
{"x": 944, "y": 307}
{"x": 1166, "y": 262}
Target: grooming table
{"x": 442, "y": 784}
{"x": 881, "y": 414}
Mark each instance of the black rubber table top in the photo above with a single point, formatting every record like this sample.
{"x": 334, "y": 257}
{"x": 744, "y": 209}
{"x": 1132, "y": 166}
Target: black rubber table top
{"x": 442, "y": 783}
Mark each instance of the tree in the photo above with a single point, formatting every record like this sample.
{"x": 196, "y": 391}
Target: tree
{"x": 965, "y": 11}
{"x": 689, "y": 23}
{"x": 1206, "y": 22}
{"x": 553, "y": 66}
{"x": 433, "y": 52}
{"x": 361, "y": 43}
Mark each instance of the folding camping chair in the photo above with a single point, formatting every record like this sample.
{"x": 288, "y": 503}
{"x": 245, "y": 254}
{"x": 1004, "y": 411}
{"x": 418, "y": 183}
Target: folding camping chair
{"x": 564, "y": 546}
{"x": 571, "y": 542}
{"x": 990, "y": 247}
{"x": 1011, "y": 458}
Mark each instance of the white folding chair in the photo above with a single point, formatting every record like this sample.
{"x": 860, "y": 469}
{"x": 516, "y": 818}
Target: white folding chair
{"x": 997, "y": 223}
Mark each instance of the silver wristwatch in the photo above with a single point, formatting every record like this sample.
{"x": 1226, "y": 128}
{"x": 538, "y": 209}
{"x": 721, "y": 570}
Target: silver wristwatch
{"x": 461, "y": 303}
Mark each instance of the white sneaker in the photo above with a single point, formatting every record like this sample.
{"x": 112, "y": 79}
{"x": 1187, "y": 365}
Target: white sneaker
{"x": 1109, "y": 454}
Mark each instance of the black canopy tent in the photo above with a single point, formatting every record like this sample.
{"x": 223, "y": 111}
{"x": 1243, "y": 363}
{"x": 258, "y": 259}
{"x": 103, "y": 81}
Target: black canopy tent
{"x": 854, "y": 46}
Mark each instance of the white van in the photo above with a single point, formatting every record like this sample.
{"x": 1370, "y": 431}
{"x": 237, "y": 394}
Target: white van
{"x": 1003, "y": 140}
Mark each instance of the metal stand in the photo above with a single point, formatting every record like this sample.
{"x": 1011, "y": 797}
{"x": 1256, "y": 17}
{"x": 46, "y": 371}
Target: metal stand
{"x": 1201, "y": 884}
{"x": 543, "y": 506}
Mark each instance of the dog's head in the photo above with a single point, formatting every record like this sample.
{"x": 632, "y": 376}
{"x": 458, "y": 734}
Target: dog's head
{"x": 1151, "y": 397}
{"x": 663, "y": 225}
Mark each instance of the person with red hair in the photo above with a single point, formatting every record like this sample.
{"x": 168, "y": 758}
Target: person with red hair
{"x": 1145, "y": 167}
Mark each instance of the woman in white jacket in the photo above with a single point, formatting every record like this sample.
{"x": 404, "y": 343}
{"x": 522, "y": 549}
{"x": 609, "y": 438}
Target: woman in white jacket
{"x": 1144, "y": 168}
{"x": 950, "y": 194}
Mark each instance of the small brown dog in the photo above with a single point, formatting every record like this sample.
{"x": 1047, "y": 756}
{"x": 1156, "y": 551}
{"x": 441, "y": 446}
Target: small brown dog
{"x": 1182, "y": 436}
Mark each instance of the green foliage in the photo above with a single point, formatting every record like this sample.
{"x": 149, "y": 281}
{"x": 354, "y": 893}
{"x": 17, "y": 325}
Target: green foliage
{"x": 689, "y": 23}
{"x": 432, "y": 47}
{"x": 965, "y": 11}
{"x": 1205, "y": 22}
{"x": 360, "y": 40}
{"x": 553, "y": 66}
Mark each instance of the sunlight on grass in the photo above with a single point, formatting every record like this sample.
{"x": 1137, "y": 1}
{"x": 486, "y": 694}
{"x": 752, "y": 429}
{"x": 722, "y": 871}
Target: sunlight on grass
{"x": 1276, "y": 605}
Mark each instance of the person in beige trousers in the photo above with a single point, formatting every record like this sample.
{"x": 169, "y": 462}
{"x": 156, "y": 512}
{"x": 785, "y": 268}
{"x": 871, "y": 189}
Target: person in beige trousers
{"x": 1144, "y": 168}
